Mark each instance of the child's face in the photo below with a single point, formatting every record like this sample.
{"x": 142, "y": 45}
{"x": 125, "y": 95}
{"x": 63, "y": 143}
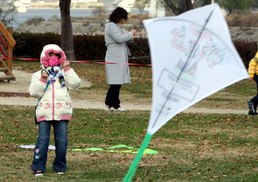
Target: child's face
{"x": 53, "y": 59}
{"x": 52, "y": 54}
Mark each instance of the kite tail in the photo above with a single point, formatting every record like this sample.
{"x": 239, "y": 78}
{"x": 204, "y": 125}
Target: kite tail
{"x": 137, "y": 159}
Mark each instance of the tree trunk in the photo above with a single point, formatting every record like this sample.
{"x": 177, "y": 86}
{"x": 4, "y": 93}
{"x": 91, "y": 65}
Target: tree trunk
{"x": 66, "y": 29}
{"x": 206, "y": 2}
{"x": 183, "y": 5}
{"x": 153, "y": 8}
{"x": 189, "y": 5}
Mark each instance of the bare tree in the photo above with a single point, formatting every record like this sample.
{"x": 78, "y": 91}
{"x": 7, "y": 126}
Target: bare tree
{"x": 7, "y": 12}
{"x": 183, "y": 5}
{"x": 66, "y": 29}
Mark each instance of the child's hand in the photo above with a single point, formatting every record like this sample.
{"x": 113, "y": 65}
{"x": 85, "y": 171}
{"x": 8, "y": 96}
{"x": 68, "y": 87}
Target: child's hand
{"x": 66, "y": 64}
{"x": 250, "y": 78}
{"x": 44, "y": 75}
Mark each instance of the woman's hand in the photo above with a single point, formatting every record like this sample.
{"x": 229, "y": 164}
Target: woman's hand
{"x": 134, "y": 32}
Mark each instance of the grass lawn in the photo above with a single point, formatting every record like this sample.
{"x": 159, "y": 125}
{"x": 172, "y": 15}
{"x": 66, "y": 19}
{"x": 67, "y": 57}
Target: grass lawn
{"x": 191, "y": 147}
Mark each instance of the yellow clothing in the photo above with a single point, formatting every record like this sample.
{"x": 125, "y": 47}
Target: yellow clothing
{"x": 253, "y": 66}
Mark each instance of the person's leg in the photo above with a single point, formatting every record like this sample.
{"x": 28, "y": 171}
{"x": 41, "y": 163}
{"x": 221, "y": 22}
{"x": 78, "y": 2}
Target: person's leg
{"x": 108, "y": 100}
{"x": 115, "y": 96}
{"x": 41, "y": 148}
{"x": 60, "y": 132}
{"x": 255, "y": 99}
{"x": 252, "y": 103}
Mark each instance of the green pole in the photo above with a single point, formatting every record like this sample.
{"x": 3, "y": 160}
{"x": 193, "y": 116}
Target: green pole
{"x": 137, "y": 159}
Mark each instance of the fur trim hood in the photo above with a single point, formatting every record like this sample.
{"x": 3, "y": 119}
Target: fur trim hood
{"x": 44, "y": 56}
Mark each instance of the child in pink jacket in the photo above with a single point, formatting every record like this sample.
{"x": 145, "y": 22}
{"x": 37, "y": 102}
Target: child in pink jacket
{"x": 51, "y": 86}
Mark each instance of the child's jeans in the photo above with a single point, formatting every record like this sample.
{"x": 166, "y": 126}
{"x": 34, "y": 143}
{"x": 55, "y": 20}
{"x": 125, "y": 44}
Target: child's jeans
{"x": 41, "y": 148}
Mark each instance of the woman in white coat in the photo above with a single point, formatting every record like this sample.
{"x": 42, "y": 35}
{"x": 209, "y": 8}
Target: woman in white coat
{"x": 117, "y": 54}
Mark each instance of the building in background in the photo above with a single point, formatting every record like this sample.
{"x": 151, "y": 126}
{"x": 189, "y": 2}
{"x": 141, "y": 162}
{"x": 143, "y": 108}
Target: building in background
{"x": 84, "y": 1}
{"x": 108, "y": 4}
{"x": 21, "y": 5}
{"x": 126, "y": 4}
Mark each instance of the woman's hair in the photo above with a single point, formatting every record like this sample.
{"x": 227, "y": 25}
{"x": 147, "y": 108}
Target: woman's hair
{"x": 118, "y": 14}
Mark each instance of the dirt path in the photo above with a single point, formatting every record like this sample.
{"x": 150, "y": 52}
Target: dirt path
{"x": 22, "y": 84}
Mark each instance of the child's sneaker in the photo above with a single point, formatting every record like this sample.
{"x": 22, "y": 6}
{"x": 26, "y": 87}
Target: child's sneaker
{"x": 38, "y": 173}
{"x": 60, "y": 172}
{"x": 107, "y": 108}
{"x": 252, "y": 110}
{"x": 252, "y": 113}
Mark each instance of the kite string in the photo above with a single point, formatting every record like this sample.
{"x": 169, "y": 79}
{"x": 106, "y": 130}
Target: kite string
{"x": 187, "y": 60}
{"x": 142, "y": 51}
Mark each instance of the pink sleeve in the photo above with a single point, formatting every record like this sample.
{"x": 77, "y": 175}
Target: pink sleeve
{"x": 43, "y": 80}
{"x": 67, "y": 69}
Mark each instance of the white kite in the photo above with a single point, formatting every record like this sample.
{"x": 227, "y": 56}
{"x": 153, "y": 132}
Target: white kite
{"x": 192, "y": 57}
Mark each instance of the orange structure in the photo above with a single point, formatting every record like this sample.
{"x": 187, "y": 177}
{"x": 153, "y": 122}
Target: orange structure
{"x": 6, "y": 50}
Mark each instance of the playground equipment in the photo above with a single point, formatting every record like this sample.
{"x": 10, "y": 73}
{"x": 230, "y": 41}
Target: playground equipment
{"x": 6, "y": 50}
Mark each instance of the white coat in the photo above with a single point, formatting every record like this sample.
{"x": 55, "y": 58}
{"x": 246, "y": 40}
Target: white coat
{"x": 55, "y": 103}
{"x": 117, "y": 52}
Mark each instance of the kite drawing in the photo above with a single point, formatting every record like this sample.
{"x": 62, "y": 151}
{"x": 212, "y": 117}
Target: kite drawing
{"x": 192, "y": 57}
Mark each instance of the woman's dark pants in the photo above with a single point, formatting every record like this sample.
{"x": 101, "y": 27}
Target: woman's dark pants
{"x": 112, "y": 98}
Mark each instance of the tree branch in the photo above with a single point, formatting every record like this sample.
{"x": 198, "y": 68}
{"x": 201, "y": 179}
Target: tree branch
{"x": 172, "y": 7}
{"x": 182, "y": 6}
